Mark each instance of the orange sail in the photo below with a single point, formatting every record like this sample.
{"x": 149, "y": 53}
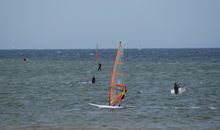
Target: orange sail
{"x": 97, "y": 55}
{"x": 117, "y": 86}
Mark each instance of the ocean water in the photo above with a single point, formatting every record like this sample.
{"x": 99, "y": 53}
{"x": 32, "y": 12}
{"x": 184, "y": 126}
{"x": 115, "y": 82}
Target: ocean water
{"x": 52, "y": 89}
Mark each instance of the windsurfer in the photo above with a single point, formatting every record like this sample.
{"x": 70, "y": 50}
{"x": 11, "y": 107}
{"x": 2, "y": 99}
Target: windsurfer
{"x": 93, "y": 79}
{"x": 124, "y": 93}
{"x": 176, "y": 88}
{"x": 100, "y": 67}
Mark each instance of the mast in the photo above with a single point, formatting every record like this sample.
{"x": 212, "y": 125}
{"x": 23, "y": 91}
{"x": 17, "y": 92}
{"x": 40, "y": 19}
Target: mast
{"x": 97, "y": 55}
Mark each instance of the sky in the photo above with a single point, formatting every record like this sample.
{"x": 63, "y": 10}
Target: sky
{"x": 81, "y": 24}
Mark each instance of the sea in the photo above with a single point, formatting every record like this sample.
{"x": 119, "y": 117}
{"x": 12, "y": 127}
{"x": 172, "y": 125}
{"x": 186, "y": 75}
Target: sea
{"x": 51, "y": 89}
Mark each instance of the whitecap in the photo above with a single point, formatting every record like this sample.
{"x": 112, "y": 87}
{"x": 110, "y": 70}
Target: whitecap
{"x": 212, "y": 108}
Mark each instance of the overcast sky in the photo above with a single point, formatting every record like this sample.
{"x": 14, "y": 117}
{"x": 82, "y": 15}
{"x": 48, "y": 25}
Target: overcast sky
{"x": 72, "y": 24}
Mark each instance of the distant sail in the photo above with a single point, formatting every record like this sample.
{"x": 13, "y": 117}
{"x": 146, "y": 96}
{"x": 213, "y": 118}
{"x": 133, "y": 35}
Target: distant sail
{"x": 117, "y": 86}
{"x": 97, "y": 55}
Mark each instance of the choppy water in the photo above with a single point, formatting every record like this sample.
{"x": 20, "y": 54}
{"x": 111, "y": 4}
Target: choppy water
{"x": 52, "y": 90}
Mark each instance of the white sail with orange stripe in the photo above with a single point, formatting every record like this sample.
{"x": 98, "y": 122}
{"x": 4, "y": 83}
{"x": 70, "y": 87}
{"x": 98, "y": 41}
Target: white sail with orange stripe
{"x": 117, "y": 86}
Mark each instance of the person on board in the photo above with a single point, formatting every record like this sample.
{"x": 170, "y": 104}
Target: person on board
{"x": 122, "y": 97}
{"x": 93, "y": 79}
{"x": 100, "y": 67}
{"x": 176, "y": 88}
{"x": 124, "y": 93}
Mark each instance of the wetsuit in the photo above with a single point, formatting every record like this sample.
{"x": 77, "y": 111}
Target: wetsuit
{"x": 100, "y": 67}
{"x": 176, "y": 88}
{"x": 93, "y": 79}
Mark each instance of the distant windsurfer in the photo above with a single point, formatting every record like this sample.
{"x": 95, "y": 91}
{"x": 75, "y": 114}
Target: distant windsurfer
{"x": 176, "y": 88}
{"x": 100, "y": 67}
{"x": 179, "y": 88}
{"x": 93, "y": 79}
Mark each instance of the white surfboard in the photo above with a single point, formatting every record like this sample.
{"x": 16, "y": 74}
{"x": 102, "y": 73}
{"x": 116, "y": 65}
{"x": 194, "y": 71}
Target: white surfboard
{"x": 105, "y": 106}
{"x": 181, "y": 90}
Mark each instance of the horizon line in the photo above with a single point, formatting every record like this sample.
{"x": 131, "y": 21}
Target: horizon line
{"x": 110, "y": 48}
